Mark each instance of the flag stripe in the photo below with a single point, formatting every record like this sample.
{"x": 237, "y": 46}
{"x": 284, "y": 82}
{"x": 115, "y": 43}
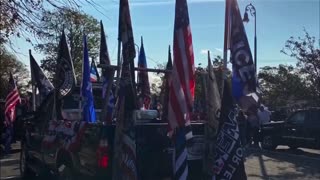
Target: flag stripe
{"x": 182, "y": 85}
{"x": 184, "y": 62}
{"x": 12, "y": 97}
{"x": 12, "y": 100}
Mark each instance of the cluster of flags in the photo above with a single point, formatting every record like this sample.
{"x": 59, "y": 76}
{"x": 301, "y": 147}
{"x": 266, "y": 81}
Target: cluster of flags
{"x": 223, "y": 153}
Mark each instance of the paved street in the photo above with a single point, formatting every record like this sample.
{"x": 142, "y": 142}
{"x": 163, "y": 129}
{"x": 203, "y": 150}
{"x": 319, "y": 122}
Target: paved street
{"x": 300, "y": 164}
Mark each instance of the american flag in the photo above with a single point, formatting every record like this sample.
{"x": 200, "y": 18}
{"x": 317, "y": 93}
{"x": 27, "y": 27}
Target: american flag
{"x": 182, "y": 87}
{"x": 12, "y": 99}
{"x": 94, "y": 74}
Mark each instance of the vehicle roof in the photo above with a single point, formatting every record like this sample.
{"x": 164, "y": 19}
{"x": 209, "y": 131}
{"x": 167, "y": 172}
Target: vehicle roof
{"x": 309, "y": 108}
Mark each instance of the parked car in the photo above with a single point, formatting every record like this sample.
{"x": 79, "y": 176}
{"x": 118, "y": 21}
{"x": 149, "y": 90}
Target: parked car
{"x": 74, "y": 149}
{"x": 300, "y": 129}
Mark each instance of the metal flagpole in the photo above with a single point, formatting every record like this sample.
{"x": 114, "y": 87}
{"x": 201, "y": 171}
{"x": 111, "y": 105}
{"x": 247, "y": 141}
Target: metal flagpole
{"x": 226, "y": 44}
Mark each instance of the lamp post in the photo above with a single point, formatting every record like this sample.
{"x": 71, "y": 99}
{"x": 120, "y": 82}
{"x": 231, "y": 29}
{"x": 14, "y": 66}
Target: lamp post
{"x": 253, "y": 13}
{"x": 138, "y": 48}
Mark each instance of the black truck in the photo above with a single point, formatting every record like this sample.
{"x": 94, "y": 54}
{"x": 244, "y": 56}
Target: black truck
{"x": 300, "y": 129}
{"x": 73, "y": 149}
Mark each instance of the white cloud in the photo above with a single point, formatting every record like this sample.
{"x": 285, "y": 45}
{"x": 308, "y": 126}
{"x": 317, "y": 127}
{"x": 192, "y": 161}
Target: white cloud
{"x": 204, "y": 51}
{"x": 218, "y": 49}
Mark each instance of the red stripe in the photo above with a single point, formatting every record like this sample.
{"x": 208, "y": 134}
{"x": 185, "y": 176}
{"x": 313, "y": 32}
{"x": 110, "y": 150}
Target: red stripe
{"x": 10, "y": 97}
{"x": 191, "y": 70}
{"x": 179, "y": 64}
{"x": 181, "y": 71}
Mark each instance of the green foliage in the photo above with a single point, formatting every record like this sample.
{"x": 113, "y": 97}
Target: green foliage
{"x": 20, "y": 18}
{"x": 75, "y": 24}
{"x": 9, "y": 63}
{"x": 307, "y": 53}
{"x": 283, "y": 85}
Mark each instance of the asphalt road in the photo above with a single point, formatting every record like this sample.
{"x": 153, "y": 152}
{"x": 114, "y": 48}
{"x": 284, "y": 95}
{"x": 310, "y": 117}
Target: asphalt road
{"x": 283, "y": 163}
{"x": 299, "y": 164}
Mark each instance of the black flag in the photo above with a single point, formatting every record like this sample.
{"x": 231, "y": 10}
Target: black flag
{"x": 104, "y": 55}
{"x": 39, "y": 79}
{"x": 64, "y": 78}
{"x": 125, "y": 158}
{"x": 165, "y": 86}
{"x": 229, "y": 155}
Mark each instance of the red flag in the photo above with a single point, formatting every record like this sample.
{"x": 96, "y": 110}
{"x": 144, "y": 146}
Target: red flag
{"x": 12, "y": 99}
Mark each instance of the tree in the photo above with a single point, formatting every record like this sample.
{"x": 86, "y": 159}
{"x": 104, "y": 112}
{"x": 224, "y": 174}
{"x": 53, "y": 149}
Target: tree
{"x": 308, "y": 60}
{"x": 21, "y": 18}
{"x": 75, "y": 24}
{"x": 9, "y": 63}
{"x": 283, "y": 85}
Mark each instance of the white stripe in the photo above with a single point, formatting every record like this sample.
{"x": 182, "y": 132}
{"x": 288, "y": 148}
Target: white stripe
{"x": 93, "y": 76}
{"x": 184, "y": 174}
{"x": 184, "y": 59}
{"x": 14, "y": 94}
{"x": 189, "y": 135}
{"x": 179, "y": 92}
{"x": 13, "y": 104}
{"x": 181, "y": 159}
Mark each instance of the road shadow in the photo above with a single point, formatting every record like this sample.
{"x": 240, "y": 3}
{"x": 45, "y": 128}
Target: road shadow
{"x": 296, "y": 164}
{"x": 299, "y": 152}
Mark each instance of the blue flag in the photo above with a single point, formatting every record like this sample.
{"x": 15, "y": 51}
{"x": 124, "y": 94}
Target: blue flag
{"x": 143, "y": 80}
{"x": 243, "y": 69}
{"x": 88, "y": 112}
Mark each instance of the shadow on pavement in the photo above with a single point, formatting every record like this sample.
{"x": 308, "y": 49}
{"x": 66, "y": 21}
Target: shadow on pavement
{"x": 284, "y": 164}
{"x": 299, "y": 152}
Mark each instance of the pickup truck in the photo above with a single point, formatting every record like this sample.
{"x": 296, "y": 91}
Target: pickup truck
{"x": 300, "y": 129}
{"x": 74, "y": 149}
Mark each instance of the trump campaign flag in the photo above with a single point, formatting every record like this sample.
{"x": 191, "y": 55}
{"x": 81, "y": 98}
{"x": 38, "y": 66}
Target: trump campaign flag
{"x": 94, "y": 74}
{"x": 228, "y": 163}
{"x": 143, "y": 79}
{"x": 88, "y": 111}
{"x": 182, "y": 86}
{"x": 243, "y": 69}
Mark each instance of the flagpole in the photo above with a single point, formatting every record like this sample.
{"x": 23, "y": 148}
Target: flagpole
{"x": 118, "y": 104}
{"x": 226, "y": 44}
{"x": 33, "y": 87}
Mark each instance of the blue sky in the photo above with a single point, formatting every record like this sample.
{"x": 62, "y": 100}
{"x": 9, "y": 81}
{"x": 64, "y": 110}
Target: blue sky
{"x": 277, "y": 20}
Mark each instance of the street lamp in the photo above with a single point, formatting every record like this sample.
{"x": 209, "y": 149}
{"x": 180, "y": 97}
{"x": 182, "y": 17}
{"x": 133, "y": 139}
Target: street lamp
{"x": 250, "y": 8}
{"x": 138, "y": 48}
